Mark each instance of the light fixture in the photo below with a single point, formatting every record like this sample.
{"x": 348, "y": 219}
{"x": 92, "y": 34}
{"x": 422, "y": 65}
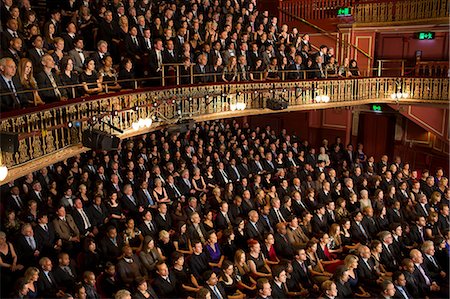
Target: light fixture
{"x": 399, "y": 95}
{"x": 322, "y": 99}
{"x": 238, "y": 106}
{"x": 141, "y": 123}
{"x": 3, "y": 172}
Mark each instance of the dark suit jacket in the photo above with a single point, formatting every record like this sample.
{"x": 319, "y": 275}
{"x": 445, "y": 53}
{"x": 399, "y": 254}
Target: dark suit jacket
{"x": 296, "y": 74}
{"x": 16, "y": 57}
{"x": 79, "y": 221}
{"x": 109, "y": 251}
{"x": 64, "y": 280}
{"x": 46, "y": 239}
{"x": 221, "y": 222}
{"x": 221, "y": 290}
{"x": 183, "y": 187}
{"x": 201, "y": 77}
{"x": 146, "y": 230}
{"x": 138, "y": 295}
{"x": 432, "y": 269}
{"x": 416, "y": 236}
{"x": 423, "y": 288}
{"x": 282, "y": 247}
{"x": 25, "y": 253}
{"x": 193, "y": 234}
{"x": 46, "y": 288}
{"x": 367, "y": 276}
{"x": 302, "y": 277}
{"x": 44, "y": 82}
{"x": 8, "y": 101}
{"x": 163, "y": 224}
{"x": 318, "y": 225}
{"x": 97, "y": 217}
{"x": 131, "y": 48}
{"x": 389, "y": 260}
{"x": 398, "y": 294}
{"x": 252, "y": 233}
{"x": 165, "y": 289}
{"x": 357, "y": 234}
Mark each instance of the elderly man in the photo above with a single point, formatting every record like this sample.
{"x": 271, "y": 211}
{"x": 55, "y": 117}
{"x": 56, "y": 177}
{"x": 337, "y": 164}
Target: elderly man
{"x": 52, "y": 85}
{"x": 10, "y": 86}
{"x": 424, "y": 280}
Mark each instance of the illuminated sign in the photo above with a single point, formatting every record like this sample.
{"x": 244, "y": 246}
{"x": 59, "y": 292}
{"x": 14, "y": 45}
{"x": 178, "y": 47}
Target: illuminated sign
{"x": 424, "y": 35}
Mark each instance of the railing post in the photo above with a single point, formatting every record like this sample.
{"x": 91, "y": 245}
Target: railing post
{"x": 403, "y": 68}
{"x": 191, "y": 72}
{"x": 163, "y": 76}
{"x": 379, "y": 68}
{"x": 178, "y": 74}
{"x": 135, "y": 84}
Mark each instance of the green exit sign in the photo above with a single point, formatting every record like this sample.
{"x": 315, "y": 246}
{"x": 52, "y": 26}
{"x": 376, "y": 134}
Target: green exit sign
{"x": 425, "y": 35}
{"x": 376, "y": 108}
{"x": 344, "y": 11}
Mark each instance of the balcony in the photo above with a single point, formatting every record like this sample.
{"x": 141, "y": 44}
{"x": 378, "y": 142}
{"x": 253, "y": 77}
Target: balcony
{"x": 53, "y": 132}
{"x": 367, "y": 12}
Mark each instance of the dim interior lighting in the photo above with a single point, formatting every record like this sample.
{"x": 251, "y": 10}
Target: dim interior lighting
{"x": 155, "y": 104}
{"x": 136, "y": 108}
{"x": 115, "y": 113}
{"x": 70, "y": 124}
{"x": 142, "y": 123}
{"x": 224, "y": 94}
{"x": 190, "y": 98}
{"x": 256, "y": 92}
{"x": 94, "y": 119}
{"x": 322, "y": 99}
{"x": 3, "y": 172}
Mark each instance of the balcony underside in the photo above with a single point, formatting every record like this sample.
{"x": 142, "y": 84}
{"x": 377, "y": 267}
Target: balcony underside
{"x": 45, "y": 136}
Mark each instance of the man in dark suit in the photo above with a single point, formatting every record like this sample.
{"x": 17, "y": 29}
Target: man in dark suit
{"x": 47, "y": 285}
{"x": 296, "y": 70}
{"x": 108, "y": 31}
{"x": 165, "y": 283}
{"x": 387, "y": 257}
{"x": 97, "y": 212}
{"x": 358, "y": 231}
{"x": 185, "y": 184}
{"x": 45, "y": 79}
{"x": 444, "y": 218}
{"x": 163, "y": 219}
{"x": 198, "y": 261}
{"x": 156, "y": 61}
{"x": 268, "y": 164}
{"x": 148, "y": 226}
{"x": 111, "y": 245}
{"x": 222, "y": 175}
{"x": 435, "y": 270}
{"x": 200, "y": 70}
{"x": 133, "y": 46}
{"x": 300, "y": 272}
{"x": 69, "y": 36}
{"x": 401, "y": 291}
{"x": 319, "y": 221}
{"x": 65, "y": 274}
{"x": 102, "y": 52}
{"x": 10, "y": 32}
{"x": 44, "y": 233}
{"x": 14, "y": 202}
{"x": 422, "y": 206}
{"x": 27, "y": 246}
{"x": 253, "y": 228}
{"x": 196, "y": 231}
{"x": 173, "y": 189}
{"x": 216, "y": 289}
{"x": 282, "y": 247}
{"x": 223, "y": 217}
{"x": 366, "y": 269}
{"x": 10, "y": 86}
{"x": 417, "y": 233}
{"x": 82, "y": 219}
{"x": 14, "y": 50}
{"x": 130, "y": 202}
{"x": 425, "y": 282}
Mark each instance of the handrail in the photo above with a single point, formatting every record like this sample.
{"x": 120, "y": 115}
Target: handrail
{"x": 46, "y": 132}
{"x": 136, "y": 81}
{"x": 338, "y": 39}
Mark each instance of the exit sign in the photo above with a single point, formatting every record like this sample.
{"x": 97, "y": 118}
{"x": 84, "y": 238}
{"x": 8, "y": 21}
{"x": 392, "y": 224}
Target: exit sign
{"x": 376, "y": 108}
{"x": 424, "y": 35}
{"x": 344, "y": 12}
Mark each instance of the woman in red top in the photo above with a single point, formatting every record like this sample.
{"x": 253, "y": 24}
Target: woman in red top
{"x": 328, "y": 259}
{"x": 269, "y": 250}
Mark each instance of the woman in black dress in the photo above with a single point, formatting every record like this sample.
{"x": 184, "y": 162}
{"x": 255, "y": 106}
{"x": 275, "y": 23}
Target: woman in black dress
{"x": 126, "y": 74}
{"x": 90, "y": 79}
{"x": 257, "y": 72}
{"x": 186, "y": 283}
{"x": 181, "y": 240}
{"x": 116, "y": 216}
{"x": 109, "y": 75}
{"x": 8, "y": 265}
{"x": 229, "y": 282}
{"x": 228, "y": 245}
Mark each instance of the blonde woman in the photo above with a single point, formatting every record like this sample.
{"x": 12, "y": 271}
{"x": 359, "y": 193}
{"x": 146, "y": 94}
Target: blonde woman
{"x": 31, "y": 277}
{"x": 27, "y": 80}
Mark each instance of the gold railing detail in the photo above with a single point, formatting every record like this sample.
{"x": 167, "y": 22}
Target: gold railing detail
{"x": 46, "y": 134}
{"x": 400, "y": 11}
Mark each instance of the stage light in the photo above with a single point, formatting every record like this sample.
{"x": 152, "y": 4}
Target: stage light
{"x": 3, "y": 172}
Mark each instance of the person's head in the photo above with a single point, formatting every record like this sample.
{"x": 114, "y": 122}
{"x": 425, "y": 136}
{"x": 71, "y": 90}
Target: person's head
{"x": 31, "y": 274}
{"x": 329, "y": 288}
{"x": 8, "y": 67}
{"x": 351, "y": 261}
{"x": 16, "y": 44}
{"x": 399, "y": 279}
{"x": 162, "y": 269}
{"x": 122, "y": 294}
{"x": 387, "y": 288}
{"x": 416, "y": 256}
{"x": 102, "y": 46}
{"x": 210, "y": 278}
{"x": 279, "y": 273}
{"x": 63, "y": 259}
{"x": 263, "y": 287}
{"x": 204, "y": 293}
{"x": 341, "y": 274}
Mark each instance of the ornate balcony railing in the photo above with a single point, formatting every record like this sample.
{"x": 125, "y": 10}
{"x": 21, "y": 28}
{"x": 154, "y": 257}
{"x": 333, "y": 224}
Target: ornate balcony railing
{"x": 54, "y": 132}
{"x": 365, "y": 11}
{"x": 406, "y": 11}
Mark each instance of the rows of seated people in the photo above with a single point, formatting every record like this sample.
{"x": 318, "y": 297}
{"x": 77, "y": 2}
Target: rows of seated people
{"x": 226, "y": 211}
{"x": 103, "y": 47}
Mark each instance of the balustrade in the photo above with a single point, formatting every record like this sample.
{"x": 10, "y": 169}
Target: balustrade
{"x": 50, "y": 130}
